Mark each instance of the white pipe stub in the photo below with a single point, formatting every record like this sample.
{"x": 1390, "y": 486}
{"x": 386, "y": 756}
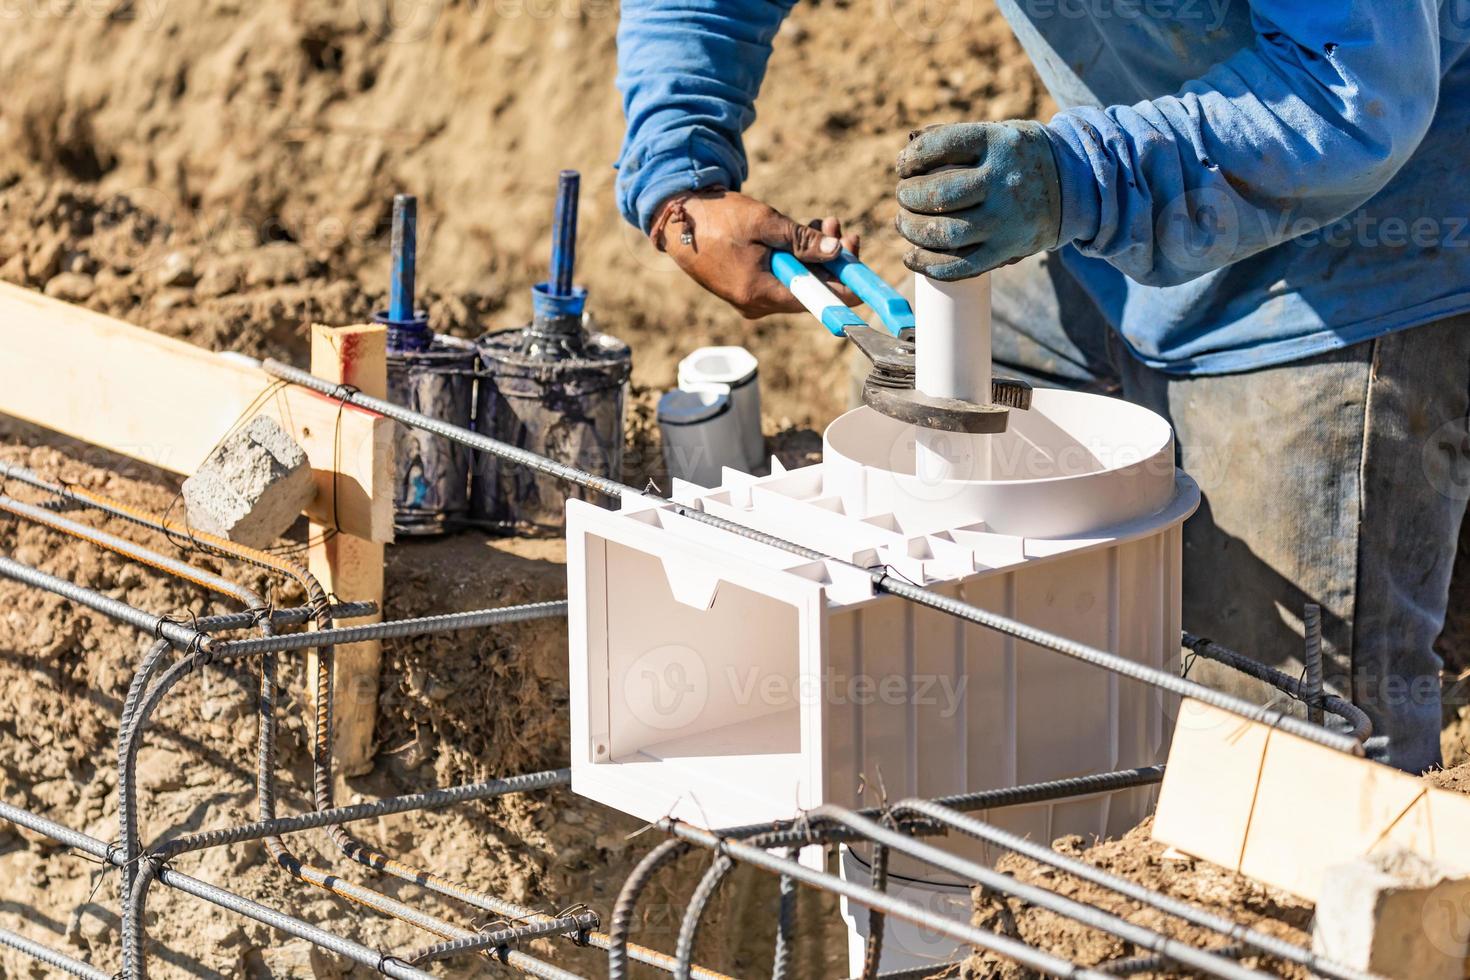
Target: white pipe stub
{"x": 952, "y": 360}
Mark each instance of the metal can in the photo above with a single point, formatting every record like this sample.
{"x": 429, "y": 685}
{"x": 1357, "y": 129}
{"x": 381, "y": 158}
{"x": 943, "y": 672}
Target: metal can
{"x": 562, "y": 400}
{"x": 431, "y": 489}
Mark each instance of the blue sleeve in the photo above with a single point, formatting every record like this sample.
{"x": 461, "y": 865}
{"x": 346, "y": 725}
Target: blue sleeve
{"x": 1284, "y": 137}
{"x": 689, "y": 72}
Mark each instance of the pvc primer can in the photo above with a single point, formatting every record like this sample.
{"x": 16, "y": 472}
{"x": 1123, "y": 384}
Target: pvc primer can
{"x": 432, "y": 474}
{"x": 556, "y": 387}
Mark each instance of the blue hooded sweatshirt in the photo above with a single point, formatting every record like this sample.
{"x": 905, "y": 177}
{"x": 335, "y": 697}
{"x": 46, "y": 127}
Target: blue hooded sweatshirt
{"x": 1244, "y": 182}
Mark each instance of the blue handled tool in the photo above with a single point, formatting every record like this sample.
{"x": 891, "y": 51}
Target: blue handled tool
{"x": 889, "y": 388}
{"x": 820, "y": 301}
{"x": 895, "y": 312}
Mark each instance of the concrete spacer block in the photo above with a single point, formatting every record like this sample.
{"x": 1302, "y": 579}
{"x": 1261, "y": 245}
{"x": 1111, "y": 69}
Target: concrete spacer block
{"x": 1396, "y": 914}
{"x": 252, "y": 487}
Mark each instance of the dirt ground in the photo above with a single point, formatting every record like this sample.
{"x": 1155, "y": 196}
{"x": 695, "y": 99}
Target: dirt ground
{"x": 222, "y": 172}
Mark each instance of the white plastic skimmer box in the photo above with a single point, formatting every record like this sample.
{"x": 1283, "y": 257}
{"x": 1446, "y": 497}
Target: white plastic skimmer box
{"x": 727, "y": 682}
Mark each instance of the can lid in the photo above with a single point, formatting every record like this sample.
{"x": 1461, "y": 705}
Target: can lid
{"x": 733, "y": 366}
{"x": 690, "y": 406}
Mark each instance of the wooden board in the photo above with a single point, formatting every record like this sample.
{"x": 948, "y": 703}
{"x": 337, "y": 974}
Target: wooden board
{"x": 1282, "y": 810}
{"x": 167, "y": 403}
{"x": 348, "y": 566}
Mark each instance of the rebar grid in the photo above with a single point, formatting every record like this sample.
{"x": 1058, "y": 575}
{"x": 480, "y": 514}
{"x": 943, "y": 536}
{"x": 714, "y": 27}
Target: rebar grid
{"x": 141, "y": 869}
{"x": 829, "y": 824}
{"x": 882, "y": 579}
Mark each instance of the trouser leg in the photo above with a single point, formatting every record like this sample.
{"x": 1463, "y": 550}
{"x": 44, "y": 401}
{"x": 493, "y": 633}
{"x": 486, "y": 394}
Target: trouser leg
{"x": 1340, "y": 480}
{"x": 1335, "y": 480}
{"x": 1416, "y": 465}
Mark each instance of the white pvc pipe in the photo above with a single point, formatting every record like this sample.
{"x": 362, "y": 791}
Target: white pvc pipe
{"x": 952, "y": 360}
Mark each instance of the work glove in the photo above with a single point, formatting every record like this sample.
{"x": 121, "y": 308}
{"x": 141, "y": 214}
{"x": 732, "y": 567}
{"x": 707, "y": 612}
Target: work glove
{"x": 976, "y": 196}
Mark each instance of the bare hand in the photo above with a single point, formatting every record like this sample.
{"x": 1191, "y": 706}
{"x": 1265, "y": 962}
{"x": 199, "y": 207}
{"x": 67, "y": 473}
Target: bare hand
{"x": 724, "y": 240}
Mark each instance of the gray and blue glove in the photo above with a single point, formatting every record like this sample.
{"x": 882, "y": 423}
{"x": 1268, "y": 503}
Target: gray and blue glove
{"x": 976, "y": 196}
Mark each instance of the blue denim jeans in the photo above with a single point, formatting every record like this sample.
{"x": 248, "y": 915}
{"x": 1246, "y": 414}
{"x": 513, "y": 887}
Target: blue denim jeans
{"x": 1340, "y": 479}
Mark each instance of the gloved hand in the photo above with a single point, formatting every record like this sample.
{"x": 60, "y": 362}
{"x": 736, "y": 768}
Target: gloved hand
{"x": 724, "y": 241}
{"x": 976, "y": 196}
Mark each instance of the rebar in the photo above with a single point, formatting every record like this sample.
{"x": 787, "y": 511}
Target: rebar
{"x": 873, "y": 948}
{"x": 626, "y": 905}
{"x": 1237, "y": 932}
{"x": 160, "y": 626}
{"x": 566, "y": 924}
{"x": 215, "y": 895}
{"x": 430, "y": 800}
{"x": 394, "y": 629}
{"x": 352, "y": 848}
{"x": 1152, "y": 962}
{"x": 801, "y": 831}
{"x": 882, "y": 580}
{"x": 51, "y": 957}
{"x": 938, "y": 971}
{"x": 1360, "y": 727}
{"x": 1312, "y": 660}
{"x": 1013, "y": 949}
{"x": 1088, "y": 915}
{"x": 135, "y": 886}
{"x": 704, "y": 893}
{"x": 136, "y": 713}
{"x": 785, "y": 924}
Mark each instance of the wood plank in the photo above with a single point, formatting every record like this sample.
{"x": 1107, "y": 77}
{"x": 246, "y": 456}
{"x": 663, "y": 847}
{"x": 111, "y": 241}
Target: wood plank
{"x": 1282, "y": 810}
{"x": 348, "y": 566}
{"x": 168, "y": 403}
{"x": 1215, "y": 757}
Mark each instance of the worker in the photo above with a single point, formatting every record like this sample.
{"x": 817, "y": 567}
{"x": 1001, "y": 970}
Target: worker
{"x": 1252, "y": 217}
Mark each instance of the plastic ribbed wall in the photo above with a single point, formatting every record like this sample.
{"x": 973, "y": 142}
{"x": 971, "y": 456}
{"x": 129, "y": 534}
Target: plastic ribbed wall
{"x": 727, "y": 682}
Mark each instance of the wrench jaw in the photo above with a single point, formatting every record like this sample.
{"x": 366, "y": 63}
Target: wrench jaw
{"x": 944, "y": 414}
{"x": 890, "y": 390}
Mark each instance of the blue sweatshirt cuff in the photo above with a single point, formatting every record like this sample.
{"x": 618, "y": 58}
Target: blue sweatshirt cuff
{"x": 1081, "y": 202}
{"x": 676, "y": 162}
